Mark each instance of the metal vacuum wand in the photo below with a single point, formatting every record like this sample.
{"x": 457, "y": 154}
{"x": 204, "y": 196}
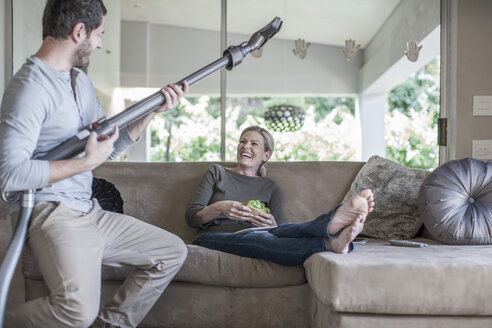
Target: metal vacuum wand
{"x": 232, "y": 57}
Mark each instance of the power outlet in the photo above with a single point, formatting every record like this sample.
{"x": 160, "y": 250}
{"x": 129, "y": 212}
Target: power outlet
{"x": 482, "y": 149}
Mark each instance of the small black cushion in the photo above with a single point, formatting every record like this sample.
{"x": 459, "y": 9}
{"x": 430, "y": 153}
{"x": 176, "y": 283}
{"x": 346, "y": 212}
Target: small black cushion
{"x": 108, "y": 197}
{"x": 455, "y": 202}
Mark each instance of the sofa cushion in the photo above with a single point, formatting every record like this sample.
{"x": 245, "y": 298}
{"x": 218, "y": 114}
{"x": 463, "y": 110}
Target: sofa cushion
{"x": 379, "y": 278}
{"x": 455, "y": 202}
{"x": 396, "y": 190}
{"x": 210, "y": 267}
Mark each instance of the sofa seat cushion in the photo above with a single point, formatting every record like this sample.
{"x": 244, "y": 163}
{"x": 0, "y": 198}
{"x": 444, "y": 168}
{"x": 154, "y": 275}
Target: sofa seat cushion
{"x": 379, "y": 278}
{"x": 210, "y": 267}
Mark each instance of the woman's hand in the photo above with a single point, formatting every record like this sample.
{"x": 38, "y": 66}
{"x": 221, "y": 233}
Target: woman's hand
{"x": 235, "y": 210}
{"x": 263, "y": 220}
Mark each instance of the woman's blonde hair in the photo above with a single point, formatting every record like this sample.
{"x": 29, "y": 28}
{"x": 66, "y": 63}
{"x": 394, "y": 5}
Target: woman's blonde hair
{"x": 267, "y": 140}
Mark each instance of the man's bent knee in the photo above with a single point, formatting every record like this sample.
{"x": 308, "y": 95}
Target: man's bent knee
{"x": 75, "y": 313}
{"x": 173, "y": 257}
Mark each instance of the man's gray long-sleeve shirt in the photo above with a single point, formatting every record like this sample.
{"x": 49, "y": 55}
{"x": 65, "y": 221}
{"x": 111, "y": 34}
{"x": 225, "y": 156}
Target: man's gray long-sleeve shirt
{"x": 41, "y": 108}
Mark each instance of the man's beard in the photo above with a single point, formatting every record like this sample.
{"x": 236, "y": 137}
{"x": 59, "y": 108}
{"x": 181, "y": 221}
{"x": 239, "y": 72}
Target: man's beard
{"x": 81, "y": 55}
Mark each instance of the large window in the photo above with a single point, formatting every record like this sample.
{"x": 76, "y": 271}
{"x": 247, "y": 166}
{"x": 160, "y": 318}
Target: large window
{"x": 302, "y": 85}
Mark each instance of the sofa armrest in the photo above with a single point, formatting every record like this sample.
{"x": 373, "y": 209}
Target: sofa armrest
{"x": 379, "y": 278}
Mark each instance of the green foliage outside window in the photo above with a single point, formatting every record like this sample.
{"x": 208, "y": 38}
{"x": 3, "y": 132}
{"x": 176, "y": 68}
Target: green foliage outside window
{"x": 411, "y": 123}
{"x": 192, "y": 131}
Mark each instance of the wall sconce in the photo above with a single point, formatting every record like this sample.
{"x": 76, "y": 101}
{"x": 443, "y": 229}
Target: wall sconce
{"x": 257, "y": 53}
{"x": 301, "y": 48}
{"x": 350, "y": 50}
{"x": 412, "y": 51}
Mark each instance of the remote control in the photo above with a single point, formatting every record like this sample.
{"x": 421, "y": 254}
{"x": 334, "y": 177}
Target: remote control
{"x": 407, "y": 243}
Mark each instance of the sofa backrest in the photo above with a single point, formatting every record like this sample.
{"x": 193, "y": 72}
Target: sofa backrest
{"x": 160, "y": 193}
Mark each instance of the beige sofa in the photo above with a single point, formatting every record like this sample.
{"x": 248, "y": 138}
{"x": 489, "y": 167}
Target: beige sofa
{"x": 377, "y": 285}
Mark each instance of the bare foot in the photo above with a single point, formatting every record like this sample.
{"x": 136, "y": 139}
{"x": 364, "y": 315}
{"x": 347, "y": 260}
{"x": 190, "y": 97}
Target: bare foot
{"x": 359, "y": 204}
{"x": 341, "y": 243}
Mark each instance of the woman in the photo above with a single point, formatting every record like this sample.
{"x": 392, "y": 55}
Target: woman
{"x": 217, "y": 209}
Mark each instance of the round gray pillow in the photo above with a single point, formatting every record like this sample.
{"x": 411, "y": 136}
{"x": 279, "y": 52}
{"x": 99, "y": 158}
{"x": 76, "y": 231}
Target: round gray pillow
{"x": 455, "y": 202}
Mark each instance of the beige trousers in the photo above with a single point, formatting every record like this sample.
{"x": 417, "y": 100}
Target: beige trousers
{"x": 69, "y": 248}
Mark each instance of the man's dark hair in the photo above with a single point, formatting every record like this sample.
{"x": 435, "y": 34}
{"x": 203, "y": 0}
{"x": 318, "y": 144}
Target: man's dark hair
{"x": 60, "y": 16}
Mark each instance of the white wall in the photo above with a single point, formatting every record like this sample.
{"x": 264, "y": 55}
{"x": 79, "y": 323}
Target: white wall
{"x": 473, "y": 73}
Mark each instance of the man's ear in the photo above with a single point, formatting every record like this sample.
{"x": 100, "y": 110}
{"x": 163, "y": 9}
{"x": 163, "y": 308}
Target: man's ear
{"x": 79, "y": 32}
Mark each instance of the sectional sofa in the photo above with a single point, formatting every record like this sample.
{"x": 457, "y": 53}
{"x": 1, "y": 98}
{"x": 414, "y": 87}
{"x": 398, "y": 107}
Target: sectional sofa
{"x": 377, "y": 285}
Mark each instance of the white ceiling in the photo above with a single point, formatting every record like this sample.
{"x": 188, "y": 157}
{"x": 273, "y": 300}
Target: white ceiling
{"x": 319, "y": 21}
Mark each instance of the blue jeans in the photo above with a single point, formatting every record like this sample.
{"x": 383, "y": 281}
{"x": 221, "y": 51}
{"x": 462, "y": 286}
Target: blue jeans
{"x": 287, "y": 244}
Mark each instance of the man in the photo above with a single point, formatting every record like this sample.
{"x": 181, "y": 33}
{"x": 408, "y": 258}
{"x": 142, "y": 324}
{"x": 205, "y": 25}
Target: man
{"x": 49, "y": 100}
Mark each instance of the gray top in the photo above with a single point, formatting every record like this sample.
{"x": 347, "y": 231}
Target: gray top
{"x": 41, "y": 108}
{"x": 219, "y": 183}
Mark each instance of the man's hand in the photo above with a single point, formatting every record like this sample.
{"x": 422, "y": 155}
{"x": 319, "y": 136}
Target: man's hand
{"x": 173, "y": 94}
{"x": 99, "y": 148}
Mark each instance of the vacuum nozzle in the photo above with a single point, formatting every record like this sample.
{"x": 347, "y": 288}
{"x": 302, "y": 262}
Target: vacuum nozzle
{"x": 259, "y": 38}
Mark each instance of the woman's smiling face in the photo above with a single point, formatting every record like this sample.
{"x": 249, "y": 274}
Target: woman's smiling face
{"x": 251, "y": 150}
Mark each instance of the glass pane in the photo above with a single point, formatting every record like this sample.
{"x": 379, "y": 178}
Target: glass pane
{"x": 304, "y": 128}
{"x": 161, "y": 43}
{"x": 148, "y": 44}
{"x": 327, "y": 56}
{"x": 411, "y": 120}
{"x": 191, "y": 132}
{"x": 299, "y": 86}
